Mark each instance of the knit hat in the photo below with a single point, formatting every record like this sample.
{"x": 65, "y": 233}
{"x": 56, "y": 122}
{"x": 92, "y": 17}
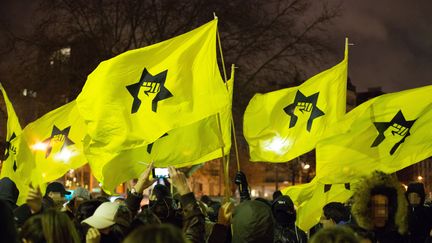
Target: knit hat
{"x": 418, "y": 188}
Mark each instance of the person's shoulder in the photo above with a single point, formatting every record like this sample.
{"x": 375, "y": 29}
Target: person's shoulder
{"x": 22, "y": 213}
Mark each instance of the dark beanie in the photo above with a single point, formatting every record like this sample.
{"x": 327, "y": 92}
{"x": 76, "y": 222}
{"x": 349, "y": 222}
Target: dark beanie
{"x": 418, "y": 188}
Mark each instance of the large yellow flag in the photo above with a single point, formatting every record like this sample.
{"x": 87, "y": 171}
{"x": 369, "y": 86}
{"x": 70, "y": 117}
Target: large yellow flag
{"x": 387, "y": 133}
{"x": 17, "y": 170}
{"x": 56, "y": 142}
{"x": 184, "y": 146}
{"x": 284, "y": 124}
{"x": 133, "y": 99}
{"x": 310, "y": 199}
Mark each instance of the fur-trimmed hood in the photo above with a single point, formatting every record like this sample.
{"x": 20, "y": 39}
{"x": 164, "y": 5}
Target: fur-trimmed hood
{"x": 361, "y": 208}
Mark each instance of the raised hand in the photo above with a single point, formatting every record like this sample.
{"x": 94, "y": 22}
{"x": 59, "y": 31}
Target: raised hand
{"x": 144, "y": 181}
{"x": 93, "y": 236}
{"x": 179, "y": 181}
{"x": 34, "y": 199}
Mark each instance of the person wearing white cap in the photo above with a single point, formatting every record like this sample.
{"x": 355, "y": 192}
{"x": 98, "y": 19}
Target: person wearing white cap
{"x": 111, "y": 220}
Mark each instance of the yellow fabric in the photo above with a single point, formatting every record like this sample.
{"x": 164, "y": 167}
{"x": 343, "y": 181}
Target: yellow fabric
{"x": 182, "y": 86}
{"x": 13, "y": 137}
{"x": 284, "y": 124}
{"x": 387, "y": 133}
{"x": 310, "y": 199}
{"x": 56, "y": 142}
{"x": 300, "y": 193}
{"x": 225, "y": 120}
{"x": 184, "y": 146}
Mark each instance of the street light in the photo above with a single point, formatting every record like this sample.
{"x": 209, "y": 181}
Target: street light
{"x": 419, "y": 178}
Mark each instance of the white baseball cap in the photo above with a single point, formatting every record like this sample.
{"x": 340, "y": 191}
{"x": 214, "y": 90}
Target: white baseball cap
{"x": 104, "y": 216}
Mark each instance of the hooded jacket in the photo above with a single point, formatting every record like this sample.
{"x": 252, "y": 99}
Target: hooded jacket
{"x": 419, "y": 216}
{"x": 9, "y": 192}
{"x": 418, "y": 188}
{"x": 252, "y": 221}
{"x": 362, "y": 212}
{"x": 285, "y": 216}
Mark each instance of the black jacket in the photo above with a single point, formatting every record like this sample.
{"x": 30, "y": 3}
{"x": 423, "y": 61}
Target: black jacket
{"x": 419, "y": 223}
{"x": 289, "y": 235}
{"x": 9, "y": 192}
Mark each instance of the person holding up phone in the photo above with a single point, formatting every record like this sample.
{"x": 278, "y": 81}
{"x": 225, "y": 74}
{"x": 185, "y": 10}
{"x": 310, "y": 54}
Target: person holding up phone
{"x": 192, "y": 217}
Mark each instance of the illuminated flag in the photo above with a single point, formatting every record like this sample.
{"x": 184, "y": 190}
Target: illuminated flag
{"x": 184, "y": 146}
{"x": 12, "y": 167}
{"x": 133, "y": 99}
{"x": 56, "y": 141}
{"x": 284, "y": 124}
{"x": 387, "y": 133}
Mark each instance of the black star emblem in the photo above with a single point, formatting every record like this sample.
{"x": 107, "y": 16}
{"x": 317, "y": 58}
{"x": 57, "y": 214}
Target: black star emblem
{"x": 307, "y": 104}
{"x": 150, "y": 146}
{"x": 401, "y": 126}
{"x": 154, "y": 84}
{"x": 56, "y": 131}
{"x": 9, "y": 148}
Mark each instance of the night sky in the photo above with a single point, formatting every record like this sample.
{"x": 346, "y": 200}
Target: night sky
{"x": 393, "y": 43}
{"x": 393, "y": 40}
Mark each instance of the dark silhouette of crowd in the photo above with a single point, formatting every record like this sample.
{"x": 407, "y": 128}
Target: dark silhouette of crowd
{"x": 381, "y": 210}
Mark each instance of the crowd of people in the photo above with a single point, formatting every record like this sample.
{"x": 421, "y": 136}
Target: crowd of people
{"x": 380, "y": 211}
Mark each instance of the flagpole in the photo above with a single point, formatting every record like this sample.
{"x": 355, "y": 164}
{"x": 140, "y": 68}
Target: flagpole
{"x": 225, "y": 79}
{"x": 233, "y": 129}
{"x": 224, "y": 161}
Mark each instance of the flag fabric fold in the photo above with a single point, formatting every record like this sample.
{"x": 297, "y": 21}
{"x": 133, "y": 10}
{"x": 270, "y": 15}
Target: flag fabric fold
{"x": 284, "y": 124}
{"x": 387, "y": 133}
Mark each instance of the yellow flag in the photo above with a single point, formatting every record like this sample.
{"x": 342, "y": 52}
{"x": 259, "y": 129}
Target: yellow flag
{"x": 387, "y": 133}
{"x": 13, "y": 168}
{"x": 56, "y": 142}
{"x": 284, "y": 124}
{"x": 184, "y": 146}
{"x": 310, "y": 199}
{"x": 225, "y": 122}
{"x": 133, "y": 99}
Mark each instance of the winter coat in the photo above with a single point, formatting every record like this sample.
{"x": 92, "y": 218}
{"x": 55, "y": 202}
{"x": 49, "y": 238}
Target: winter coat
{"x": 252, "y": 221}
{"x": 419, "y": 223}
{"x": 397, "y": 228}
{"x": 289, "y": 235}
{"x": 9, "y": 192}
